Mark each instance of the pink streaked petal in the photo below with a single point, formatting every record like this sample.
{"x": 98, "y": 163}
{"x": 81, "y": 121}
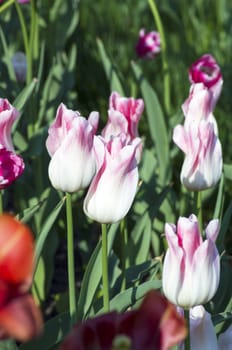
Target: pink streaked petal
{"x": 188, "y": 236}
{"x": 180, "y": 138}
{"x": 11, "y": 167}
{"x": 94, "y": 120}
{"x": 207, "y": 273}
{"x": 7, "y": 119}
{"x": 117, "y": 124}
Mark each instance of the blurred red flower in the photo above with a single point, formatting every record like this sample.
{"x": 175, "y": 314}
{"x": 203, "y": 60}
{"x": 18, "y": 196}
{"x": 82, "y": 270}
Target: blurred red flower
{"x": 155, "y": 325}
{"x": 20, "y": 318}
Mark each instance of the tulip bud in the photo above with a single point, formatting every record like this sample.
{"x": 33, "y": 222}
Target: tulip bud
{"x": 191, "y": 268}
{"x": 148, "y": 45}
{"x": 70, "y": 145}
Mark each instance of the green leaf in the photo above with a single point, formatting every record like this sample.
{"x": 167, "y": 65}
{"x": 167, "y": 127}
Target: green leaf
{"x": 224, "y": 228}
{"x": 54, "y": 332}
{"x": 130, "y": 296}
{"x": 157, "y": 127}
{"x": 227, "y": 168}
{"x": 24, "y": 96}
{"x": 93, "y": 275}
{"x": 110, "y": 70}
{"x": 45, "y": 230}
{"x": 8, "y": 345}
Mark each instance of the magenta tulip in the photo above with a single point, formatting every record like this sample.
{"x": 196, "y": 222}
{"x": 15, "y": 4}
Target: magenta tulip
{"x": 191, "y": 269}
{"x": 148, "y": 45}
{"x": 114, "y": 186}
{"x": 206, "y": 70}
{"x": 70, "y": 145}
{"x": 11, "y": 164}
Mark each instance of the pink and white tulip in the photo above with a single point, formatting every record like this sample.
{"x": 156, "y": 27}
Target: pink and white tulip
{"x": 11, "y": 164}
{"x": 202, "y": 332}
{"x": 191, "y": 269}
{"x": 206, "y": 70}
{"x": 114, "y": 186}
{"x": 148, "y": 45}
{"x": 198, "y": 106}
{"x": 70, "y": 145}
{"x": 202, "y": 165}
{"x": 123, "y": 117}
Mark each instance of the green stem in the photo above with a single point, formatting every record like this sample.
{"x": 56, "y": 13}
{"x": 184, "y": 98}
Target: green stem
{"x": 124, "y": 262}
{"x": 198, "y": 204}
{"x": 71, "y": 263}
{"x": 6, "y": 5}
{"x": 105, "y": 277}
{"x": 25, "y": 41}
{"x": 1, "y": 201}
{"x": 187, "y": 343}
{"x": 165, "y": 68}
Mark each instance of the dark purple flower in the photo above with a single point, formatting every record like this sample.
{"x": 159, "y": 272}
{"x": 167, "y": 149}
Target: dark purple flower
{"x": 148, "y": 45}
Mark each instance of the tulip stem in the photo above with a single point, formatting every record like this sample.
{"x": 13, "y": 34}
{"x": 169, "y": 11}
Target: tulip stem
{"x": 105, "y": 277}
{"x": 124, "y": 262}
{"x": 6, "y": 5}
{"x": 71, "y": 263}
{"x": 165, "y": 68}
{"x": 187, "y": 345}
{"x": 198, "y": 203}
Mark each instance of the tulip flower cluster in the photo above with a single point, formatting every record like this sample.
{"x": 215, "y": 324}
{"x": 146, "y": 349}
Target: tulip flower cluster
{"x": 108, "y": 162}
{"x": 19, "y": 316}
{"x": 198, "y": 137}
{"x": 154, "y": 325}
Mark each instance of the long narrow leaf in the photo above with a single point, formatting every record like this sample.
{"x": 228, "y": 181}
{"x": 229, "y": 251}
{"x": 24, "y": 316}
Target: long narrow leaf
{"x": 115, "y": 84}
{"x": 157, "y": 127}
{"x": 93, "y": 275}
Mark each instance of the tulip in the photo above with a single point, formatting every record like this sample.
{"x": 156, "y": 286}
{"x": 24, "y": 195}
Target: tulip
{"x": 19, "y": 316}
{"x": 70, "y": 145}
{"x": 191, "y": 268}
{"x": 225, "y": 339}
{"x": 123, "y": 117}
{"x": 114, "y": 186}
{"x": 202, "y": 165}
{"x": 198, "y": 106}
{"x": 154, "y": 325}
{"x": 202, "y": 333}
{"x": 148, "y": 45}
{"x": 11, "y": 164}
{"x": 206, "y": 70}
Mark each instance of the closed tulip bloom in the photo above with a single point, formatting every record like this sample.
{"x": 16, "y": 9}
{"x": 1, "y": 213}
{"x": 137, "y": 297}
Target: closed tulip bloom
{"x": 199, "y": 106}
{"x": 191, "y": 268}
{"x": 123, "y": 117}
{"x": 113, "y": 188}
{"x": 202, "y": 332}
{"x": 11, "y": 164}
{"x": 225, "y": 339}
{"x": 70, "y": 145}
{"x": 202, "y": 165}
{"x": 148, "y": 45}
{"x": 206, "y": 70}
